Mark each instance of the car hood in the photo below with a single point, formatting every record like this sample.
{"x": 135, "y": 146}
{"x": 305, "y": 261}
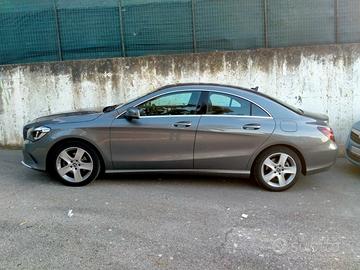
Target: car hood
{"x": 316, "y": 116}
{"x": 69, "y": 117}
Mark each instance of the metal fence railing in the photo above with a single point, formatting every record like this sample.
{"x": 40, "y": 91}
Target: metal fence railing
{"x": 56, "y": 30}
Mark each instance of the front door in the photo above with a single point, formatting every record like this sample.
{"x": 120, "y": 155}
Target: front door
{"x": 163, "y": 137}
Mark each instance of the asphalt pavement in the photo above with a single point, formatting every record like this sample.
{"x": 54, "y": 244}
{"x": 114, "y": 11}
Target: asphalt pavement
{"x": 143, "y": 221}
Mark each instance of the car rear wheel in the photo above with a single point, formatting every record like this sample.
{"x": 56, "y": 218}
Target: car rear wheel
{"x": 277, "y": 168}
{"x": 76, "y": 164}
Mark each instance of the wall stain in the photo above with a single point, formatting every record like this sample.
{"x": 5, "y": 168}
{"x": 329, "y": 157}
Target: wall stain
{"x": 76, "y": 71}
{"x": 211, "y": 62}
{"x": 60, "y": 68}
{"x": 163, "y": 66}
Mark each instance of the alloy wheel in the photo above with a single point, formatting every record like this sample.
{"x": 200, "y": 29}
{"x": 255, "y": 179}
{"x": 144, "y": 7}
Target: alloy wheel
{"x": 74, "y": 164}
{"x": 279, "y": 170}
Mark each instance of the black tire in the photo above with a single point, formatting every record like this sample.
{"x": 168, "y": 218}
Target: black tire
{"x": 90, "y": 155}
{"x": 259, "y": 168}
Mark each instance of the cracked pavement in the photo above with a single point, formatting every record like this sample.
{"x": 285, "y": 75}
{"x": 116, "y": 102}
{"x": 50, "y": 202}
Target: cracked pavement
{"x": 149, "y": 221}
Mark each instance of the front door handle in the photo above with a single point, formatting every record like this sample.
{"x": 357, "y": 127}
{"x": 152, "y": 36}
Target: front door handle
{"x": 252, "y": 126}
{"x": 182, "y": 124}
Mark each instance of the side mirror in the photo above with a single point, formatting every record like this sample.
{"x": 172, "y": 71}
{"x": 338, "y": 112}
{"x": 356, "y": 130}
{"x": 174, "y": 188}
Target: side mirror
{"x": 132, "y": 113}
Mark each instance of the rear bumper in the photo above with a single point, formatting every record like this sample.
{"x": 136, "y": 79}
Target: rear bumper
{"x": 321, "y": 158}
{"x": 320, "y": 169}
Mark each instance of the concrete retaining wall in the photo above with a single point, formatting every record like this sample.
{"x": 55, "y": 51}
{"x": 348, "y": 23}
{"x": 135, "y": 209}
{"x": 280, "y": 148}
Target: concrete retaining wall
{"x": 321, "y": 79}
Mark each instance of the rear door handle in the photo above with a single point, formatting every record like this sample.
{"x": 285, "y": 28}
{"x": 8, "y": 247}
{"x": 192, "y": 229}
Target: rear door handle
{"x": 252, "y": 126}
{"x": 182, "y": 124}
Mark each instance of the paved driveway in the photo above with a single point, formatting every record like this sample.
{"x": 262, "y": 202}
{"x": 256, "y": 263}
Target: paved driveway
{"x": 177, "y": 222}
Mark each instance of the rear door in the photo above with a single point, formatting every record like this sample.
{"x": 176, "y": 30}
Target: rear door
{"x": 230, "y": 132}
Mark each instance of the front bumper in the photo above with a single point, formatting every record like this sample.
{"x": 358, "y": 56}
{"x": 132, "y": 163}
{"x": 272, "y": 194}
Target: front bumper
{"x": 34, "y": 156}
{"x": 26, "y": 165}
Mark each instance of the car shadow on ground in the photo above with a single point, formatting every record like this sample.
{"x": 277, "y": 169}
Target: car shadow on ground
{"x": 304, "y": 183}
{"x": 142, "y": 179}
{"x": 165, "y": 179}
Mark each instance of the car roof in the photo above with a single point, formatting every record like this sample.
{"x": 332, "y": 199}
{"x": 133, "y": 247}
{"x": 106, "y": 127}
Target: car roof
{"x": 249, "y": 90}
{"x": 252, "y": 92}
{"x": 206, "y": 84}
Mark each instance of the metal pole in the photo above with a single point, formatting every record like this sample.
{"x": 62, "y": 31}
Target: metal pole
{"x": 122, "y": 36}
{"x": 58, "y": 31}
{"x": 193, "y": 26}
{"x": 266, "y": 41}
{"x": 336, "y": 15}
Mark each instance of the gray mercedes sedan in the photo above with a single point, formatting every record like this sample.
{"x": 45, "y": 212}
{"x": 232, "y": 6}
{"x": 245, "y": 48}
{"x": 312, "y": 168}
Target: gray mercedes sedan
{"x": 196, "y": 128}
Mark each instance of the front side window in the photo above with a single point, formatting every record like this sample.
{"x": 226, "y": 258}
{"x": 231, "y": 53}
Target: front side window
{"x": 181, "y": 103}
{"x": 230, "y": 105}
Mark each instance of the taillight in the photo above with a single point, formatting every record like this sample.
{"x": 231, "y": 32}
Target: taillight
{"x": 328, "y": 132}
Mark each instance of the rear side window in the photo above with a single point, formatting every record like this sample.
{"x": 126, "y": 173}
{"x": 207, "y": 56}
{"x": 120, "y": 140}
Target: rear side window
{"x": 257, "y": 111}
{"x": 222, "y": 104}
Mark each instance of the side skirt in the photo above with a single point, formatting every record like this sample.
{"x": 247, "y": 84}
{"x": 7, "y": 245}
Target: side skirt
{"x": 208, "y": 171}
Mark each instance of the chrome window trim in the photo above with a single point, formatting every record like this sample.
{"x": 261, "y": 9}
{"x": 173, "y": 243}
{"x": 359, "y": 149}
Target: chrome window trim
{"x": 172, "y": 116}
{"x": 203, "y": 90}
{"x": 205, "y": 115}
{"x": 239, "y": 116}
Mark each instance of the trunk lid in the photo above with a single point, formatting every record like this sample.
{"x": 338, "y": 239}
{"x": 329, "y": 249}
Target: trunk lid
{"x": 316, "y": 116}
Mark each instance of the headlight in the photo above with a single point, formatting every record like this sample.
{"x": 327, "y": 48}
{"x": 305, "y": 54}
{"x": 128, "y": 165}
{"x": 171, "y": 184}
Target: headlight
{"x": 35, "y": 134}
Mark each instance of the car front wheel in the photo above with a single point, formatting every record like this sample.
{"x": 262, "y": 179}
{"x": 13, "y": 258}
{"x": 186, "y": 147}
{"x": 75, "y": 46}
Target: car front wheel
{"x": 277, "y": 168}
{"x": 76, "y": 164}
